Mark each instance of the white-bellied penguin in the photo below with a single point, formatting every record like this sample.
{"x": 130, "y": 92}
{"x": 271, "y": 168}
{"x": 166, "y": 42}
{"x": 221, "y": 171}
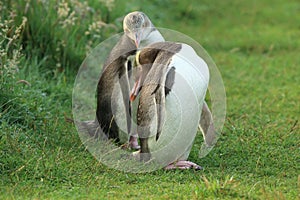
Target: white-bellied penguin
{"x": 172, "y": 83}
{"x": 113, "y": 86}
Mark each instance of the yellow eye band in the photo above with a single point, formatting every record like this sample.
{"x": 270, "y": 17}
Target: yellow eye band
{"x": 137, "y": 56}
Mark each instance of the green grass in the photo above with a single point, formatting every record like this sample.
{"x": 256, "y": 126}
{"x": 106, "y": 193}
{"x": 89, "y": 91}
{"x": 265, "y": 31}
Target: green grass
{"x": 256, "y": 46}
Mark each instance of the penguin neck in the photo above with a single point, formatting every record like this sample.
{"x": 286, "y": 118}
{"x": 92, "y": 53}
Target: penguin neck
{"x": 153, "y": 37}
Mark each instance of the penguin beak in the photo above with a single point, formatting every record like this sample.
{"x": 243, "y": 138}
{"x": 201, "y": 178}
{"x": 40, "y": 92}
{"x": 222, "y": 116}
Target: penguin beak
{"x": 136, "y": 89}
{"x": 137, "y": 39}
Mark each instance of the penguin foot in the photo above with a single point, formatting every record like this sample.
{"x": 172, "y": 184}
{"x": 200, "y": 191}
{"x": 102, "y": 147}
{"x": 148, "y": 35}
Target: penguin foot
{"x": 133, "y": 143}
{"x": 183, "y": 164}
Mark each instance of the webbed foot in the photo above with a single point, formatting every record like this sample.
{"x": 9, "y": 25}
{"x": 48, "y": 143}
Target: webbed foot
{"x": 183, "y": 164}
{"x": 133, "y": 143}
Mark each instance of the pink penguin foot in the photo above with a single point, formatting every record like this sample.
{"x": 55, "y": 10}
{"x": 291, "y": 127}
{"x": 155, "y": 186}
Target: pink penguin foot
{"x": 182, "y": 164}
{"x": 133, "y": 143}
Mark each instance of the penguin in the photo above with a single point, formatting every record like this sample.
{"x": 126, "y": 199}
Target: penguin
{"x": 113, "y": 113}
{"x": 171, "y": 84}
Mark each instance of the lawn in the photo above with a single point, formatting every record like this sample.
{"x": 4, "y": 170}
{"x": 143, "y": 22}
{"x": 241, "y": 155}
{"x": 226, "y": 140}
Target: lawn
{"x": 255, "y": 45}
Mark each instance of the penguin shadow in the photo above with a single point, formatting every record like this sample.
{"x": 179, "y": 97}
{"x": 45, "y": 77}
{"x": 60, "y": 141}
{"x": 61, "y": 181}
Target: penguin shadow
{"x": 92, "y": 131}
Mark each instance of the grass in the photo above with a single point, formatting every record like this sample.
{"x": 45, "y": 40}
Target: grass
{"x": 255, "y": 44}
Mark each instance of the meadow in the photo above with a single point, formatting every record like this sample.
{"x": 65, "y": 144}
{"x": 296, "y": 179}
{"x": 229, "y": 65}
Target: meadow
{"x": 255, "y": 45}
